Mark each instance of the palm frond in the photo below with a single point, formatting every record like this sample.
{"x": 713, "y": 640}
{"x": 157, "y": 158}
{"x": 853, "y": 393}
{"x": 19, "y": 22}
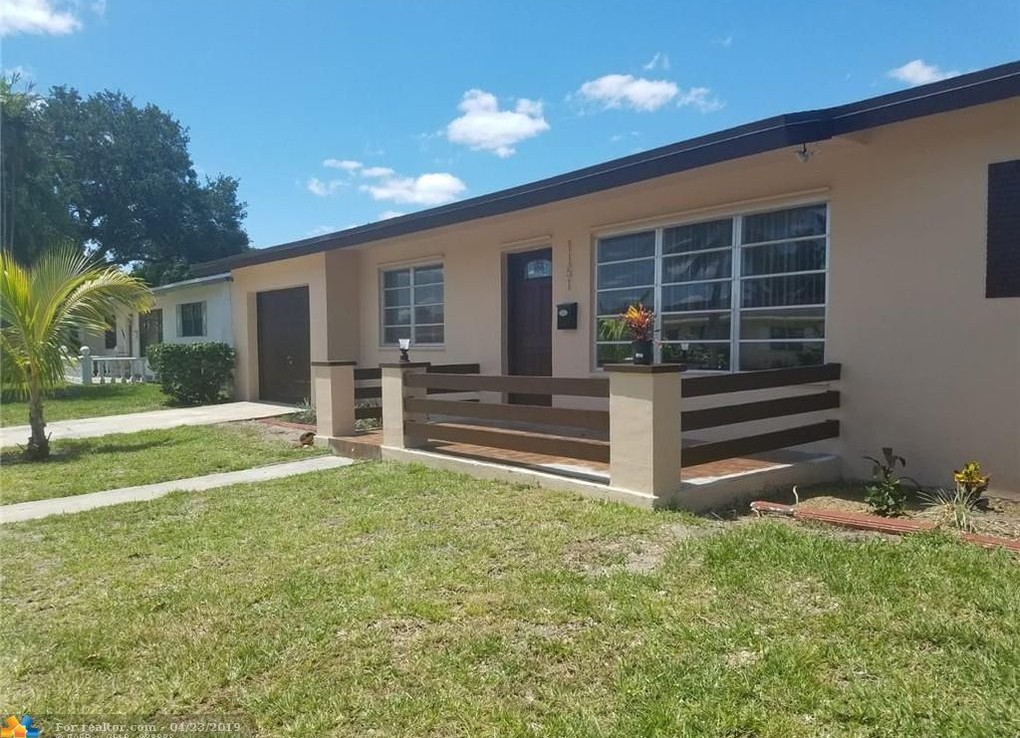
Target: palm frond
{"x": 39, "y": 307}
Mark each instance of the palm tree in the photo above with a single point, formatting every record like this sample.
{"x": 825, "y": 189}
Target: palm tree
{"x": 39, "y": 305}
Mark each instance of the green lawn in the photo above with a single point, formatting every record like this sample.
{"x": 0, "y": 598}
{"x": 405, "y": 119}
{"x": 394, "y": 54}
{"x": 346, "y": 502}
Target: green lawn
{"x": 86, "y": 401}
{"x": 386, "y": 600}
{"x": 85, "y": 465}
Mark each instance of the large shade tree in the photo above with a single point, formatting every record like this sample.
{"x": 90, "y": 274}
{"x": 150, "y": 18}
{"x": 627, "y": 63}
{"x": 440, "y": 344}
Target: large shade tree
{"x": 114, "y": 178}
{"x": 39, "y": 307}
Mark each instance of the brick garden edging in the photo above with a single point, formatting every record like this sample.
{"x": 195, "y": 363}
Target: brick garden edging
{"x": 875, "y": 524}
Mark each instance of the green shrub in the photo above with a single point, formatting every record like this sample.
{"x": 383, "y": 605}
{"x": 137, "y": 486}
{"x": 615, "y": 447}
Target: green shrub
{"x": 195, "y": 373}
{"x": 886, "y": 493}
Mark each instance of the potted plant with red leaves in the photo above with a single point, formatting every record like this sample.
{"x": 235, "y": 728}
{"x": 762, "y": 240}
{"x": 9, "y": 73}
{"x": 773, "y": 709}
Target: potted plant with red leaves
{"x": 637, "y": 324}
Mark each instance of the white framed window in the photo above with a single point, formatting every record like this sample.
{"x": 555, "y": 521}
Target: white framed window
{"x": 191, "y": 319}
{"x": 412, "y": 305}
{"x": 736, "y": 293}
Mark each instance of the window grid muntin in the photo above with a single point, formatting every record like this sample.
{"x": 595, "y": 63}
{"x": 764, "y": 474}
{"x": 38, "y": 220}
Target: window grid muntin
{"x": 413, "y": 286}
{"x": 736, "y": 292}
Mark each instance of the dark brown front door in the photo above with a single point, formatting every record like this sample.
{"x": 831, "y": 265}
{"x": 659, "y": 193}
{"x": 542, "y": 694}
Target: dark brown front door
{"x": 285, "y": 372}
{"x": 529, "y": 318}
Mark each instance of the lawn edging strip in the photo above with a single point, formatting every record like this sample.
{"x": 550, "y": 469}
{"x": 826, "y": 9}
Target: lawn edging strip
{"x": 20, "y": 511}
{"x": 874, "y": 524}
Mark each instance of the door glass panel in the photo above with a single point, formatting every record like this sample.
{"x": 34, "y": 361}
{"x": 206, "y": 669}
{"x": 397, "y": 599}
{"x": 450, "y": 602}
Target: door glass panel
{"x": 538, "y": 268}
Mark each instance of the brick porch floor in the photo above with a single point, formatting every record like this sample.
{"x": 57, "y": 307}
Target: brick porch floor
{"x": 366, "y": 445}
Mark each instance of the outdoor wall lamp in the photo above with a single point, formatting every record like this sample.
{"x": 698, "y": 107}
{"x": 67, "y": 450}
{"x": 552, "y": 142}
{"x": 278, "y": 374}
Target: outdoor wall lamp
{"x": 405, "y": 344}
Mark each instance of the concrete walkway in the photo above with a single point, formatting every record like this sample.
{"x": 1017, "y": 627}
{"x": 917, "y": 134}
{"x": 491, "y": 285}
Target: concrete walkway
{"x": 44, "y": 508}
{"x": 131, "y": 422}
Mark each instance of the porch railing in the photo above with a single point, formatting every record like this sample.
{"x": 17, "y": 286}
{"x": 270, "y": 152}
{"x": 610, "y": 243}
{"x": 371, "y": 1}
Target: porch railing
{"x": 646, "y": 435}
{"x": 552, "y": 431}
{"x": 368, "y": 393}
{"x": 91, "y": 369}
{"x": 760, "y": 410}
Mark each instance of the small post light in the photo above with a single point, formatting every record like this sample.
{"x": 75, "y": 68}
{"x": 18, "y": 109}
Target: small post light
{"x": 405, "y": 344}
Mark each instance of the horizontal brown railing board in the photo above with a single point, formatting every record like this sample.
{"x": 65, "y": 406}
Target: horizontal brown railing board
{"x": 574, "y": 386}
{"x": 729, "y": 414}
{"x": 367, "y": 393}
{"x": 362, "y": 375}
{"x": 573, "y": 448}
{"x": 743, "y": 381}
{"x": 364, "y": 413}
{"x": 736, "y": 447}
{"x": 588, "y": 419}
{"x": 455, "y": 368}
{"x": 370, "y": 373}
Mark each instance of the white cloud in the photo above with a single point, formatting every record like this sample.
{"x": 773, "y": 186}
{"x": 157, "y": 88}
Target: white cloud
{"x": 320, "y": 231}
{"x": 726, "y": 41}
{"x": 99, "y": 8}
{"x": 628, "y": 91}
{"x": 428, "y": 189}
{"x": 376, "y": 172}
{"x": 345, "y": 164}
{"x": 917, "y": 72}
{"x": 614, "y": 91}
{"x": 323, "y": 188}
{"x": 701, "y": 98}
{"x": 35, "y": 16}
{"x": 484, "y": 127}
{"x": 387, "y": 214}
{"x": 659, "y": 61}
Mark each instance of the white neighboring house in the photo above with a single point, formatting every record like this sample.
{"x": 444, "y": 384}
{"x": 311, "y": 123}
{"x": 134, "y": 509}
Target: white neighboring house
{"x": 191, "y": 311}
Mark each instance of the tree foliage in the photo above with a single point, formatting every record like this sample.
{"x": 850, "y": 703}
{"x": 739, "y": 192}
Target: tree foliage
{"x": 39, "y": 307}
{"x": 115, "y": 179}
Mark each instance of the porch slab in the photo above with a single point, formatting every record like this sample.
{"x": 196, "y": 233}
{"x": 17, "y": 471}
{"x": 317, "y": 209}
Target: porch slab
{"x": 704, "y": 487}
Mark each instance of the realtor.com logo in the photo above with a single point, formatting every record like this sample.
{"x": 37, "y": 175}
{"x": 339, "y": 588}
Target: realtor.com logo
{"x": 15, "y": 728}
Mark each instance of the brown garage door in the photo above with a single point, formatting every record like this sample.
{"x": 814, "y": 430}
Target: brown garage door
{"x": 284, "y": 345}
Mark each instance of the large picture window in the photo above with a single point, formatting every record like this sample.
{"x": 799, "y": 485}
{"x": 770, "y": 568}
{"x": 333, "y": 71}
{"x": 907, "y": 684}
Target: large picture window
{"x": 744, "y": 292}
{"x": 412, "y": 305}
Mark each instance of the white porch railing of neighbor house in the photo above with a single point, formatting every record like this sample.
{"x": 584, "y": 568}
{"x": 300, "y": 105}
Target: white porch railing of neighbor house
{"x": 91, "y": 369}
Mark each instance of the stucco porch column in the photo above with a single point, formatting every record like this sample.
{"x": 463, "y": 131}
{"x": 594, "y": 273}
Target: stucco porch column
{"x": 393, "y": 393}
{"x": 644, "y": 428}
{"x": 333, "y": 390}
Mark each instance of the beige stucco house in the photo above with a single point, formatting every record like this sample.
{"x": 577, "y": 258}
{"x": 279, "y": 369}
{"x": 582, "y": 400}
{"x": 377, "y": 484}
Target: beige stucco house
{"x": 883, "y": 235}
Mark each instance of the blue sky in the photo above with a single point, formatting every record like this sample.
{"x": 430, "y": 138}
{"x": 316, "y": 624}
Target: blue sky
{"x": 336, "y": 113}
